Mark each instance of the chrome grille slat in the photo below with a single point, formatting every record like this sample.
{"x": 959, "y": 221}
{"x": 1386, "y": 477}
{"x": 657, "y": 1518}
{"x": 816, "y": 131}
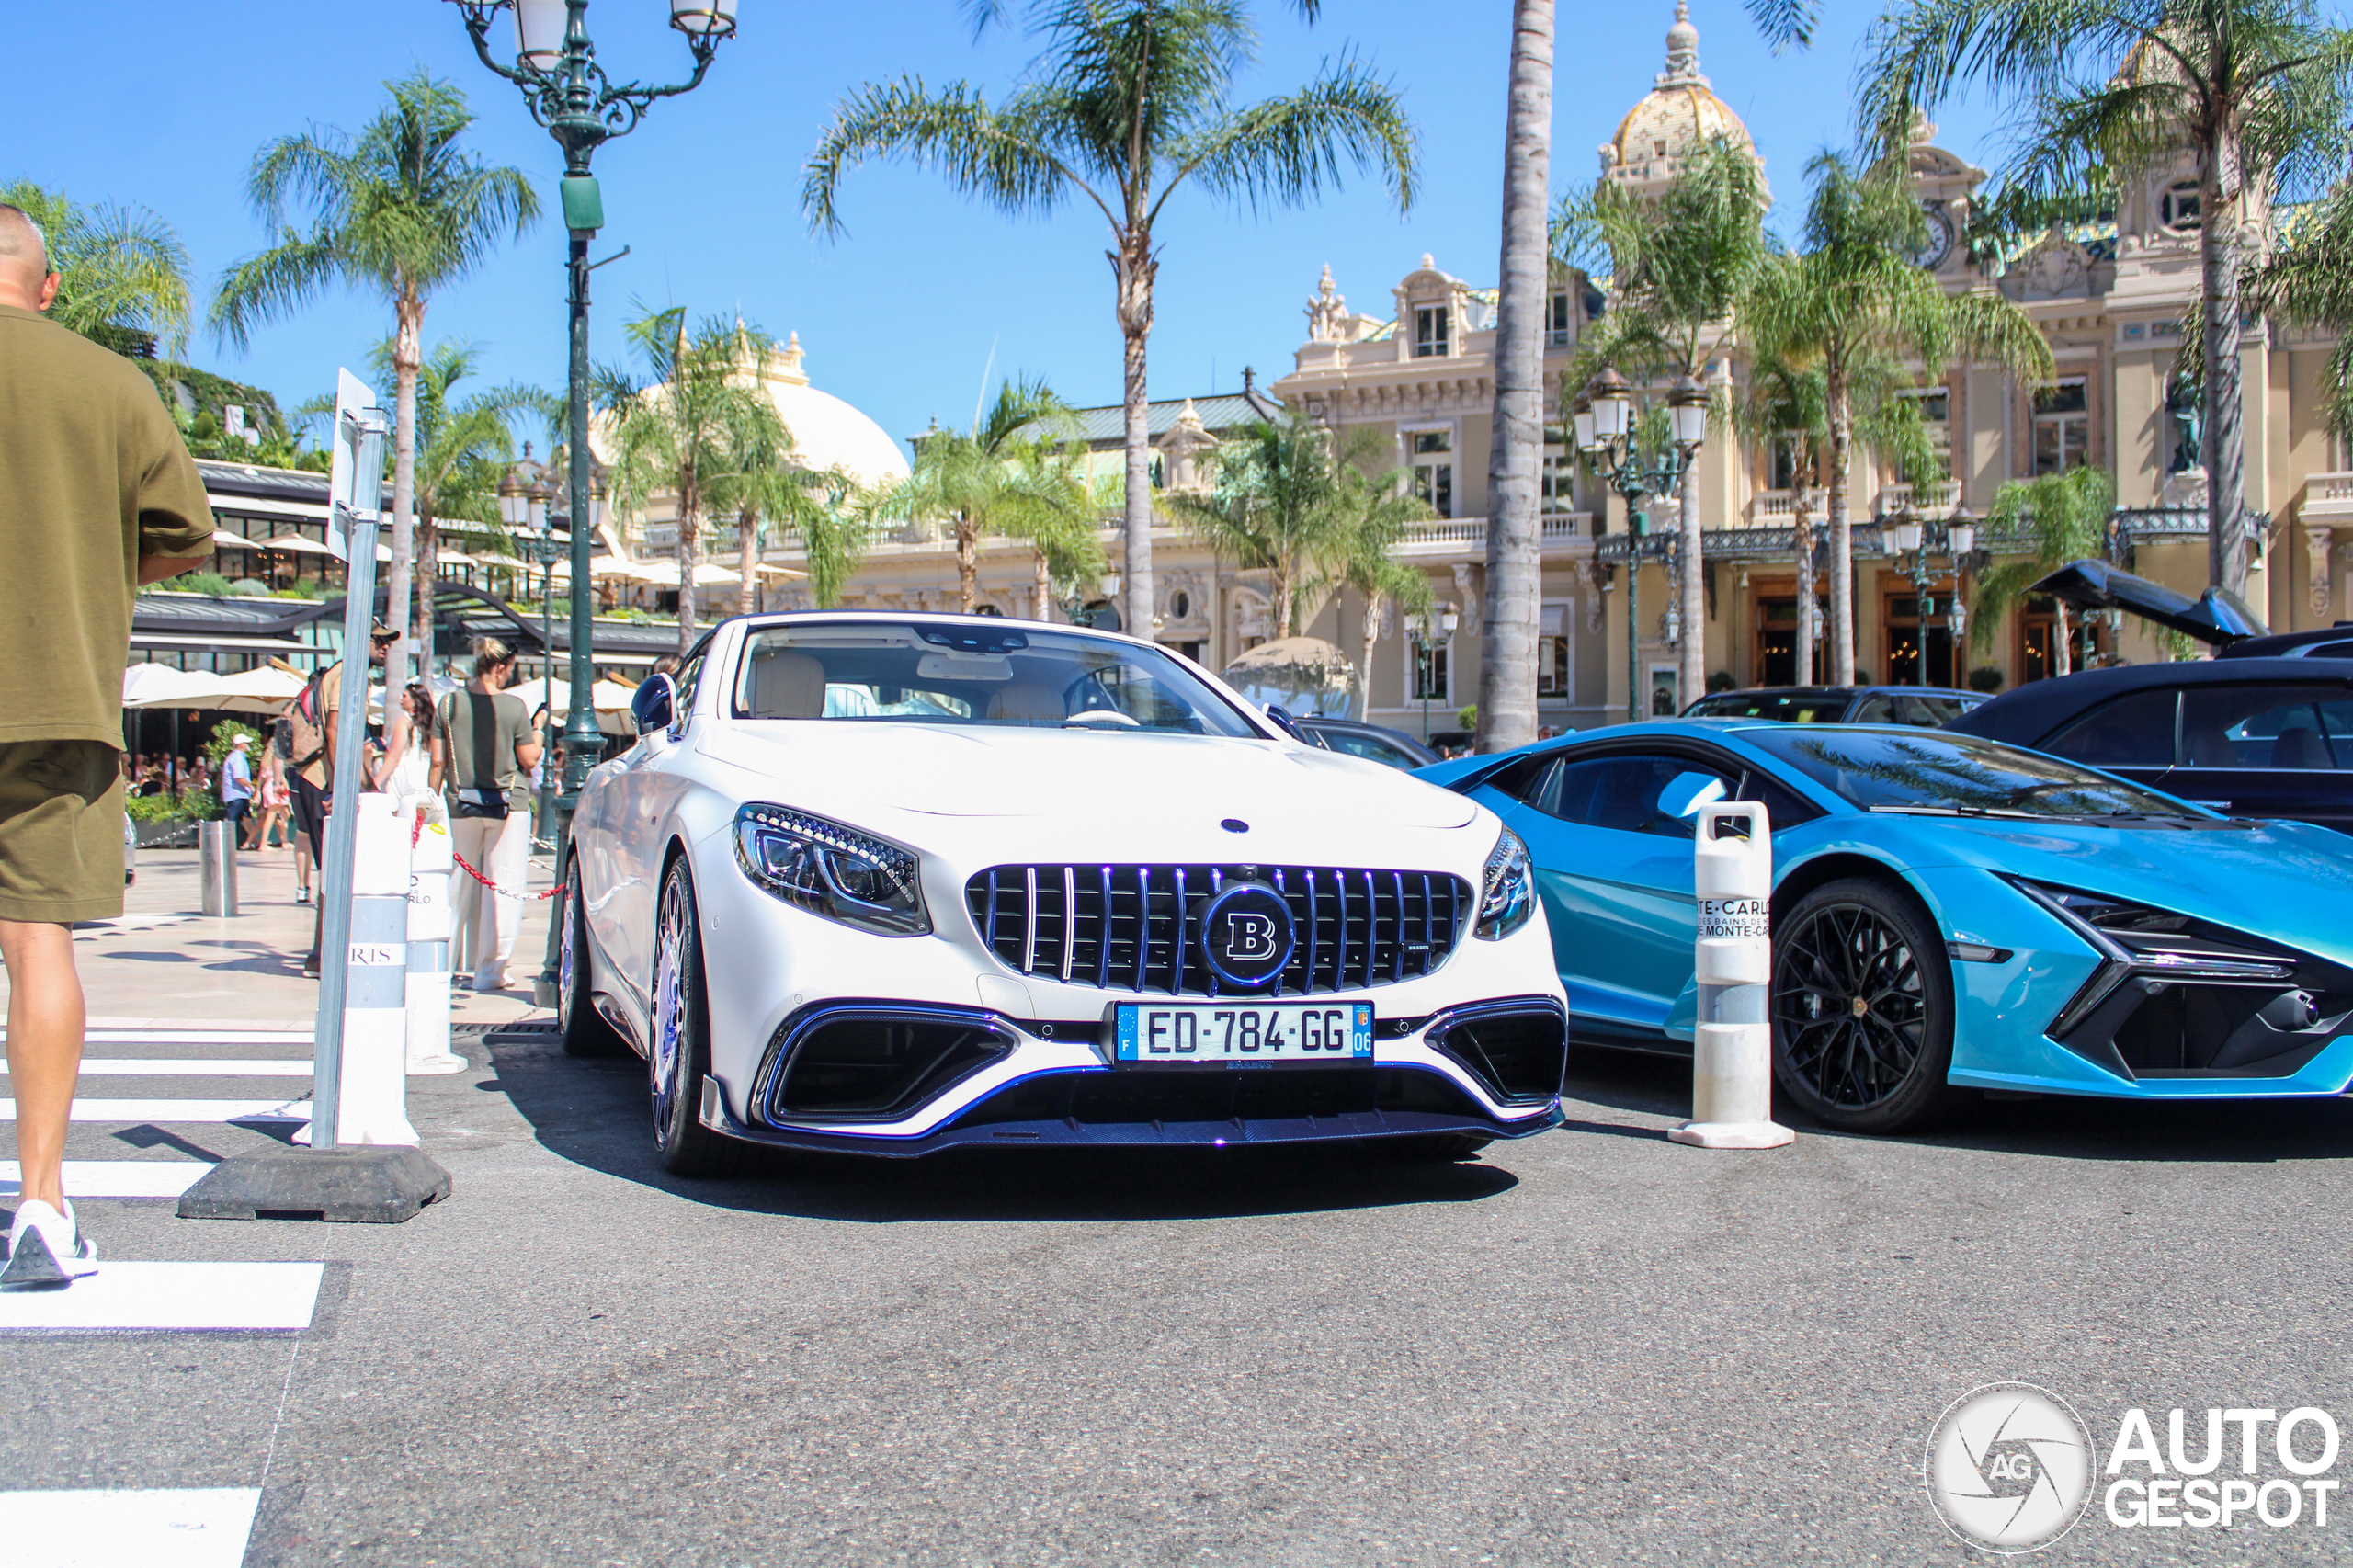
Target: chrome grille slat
{"x": 1130, "y": 926}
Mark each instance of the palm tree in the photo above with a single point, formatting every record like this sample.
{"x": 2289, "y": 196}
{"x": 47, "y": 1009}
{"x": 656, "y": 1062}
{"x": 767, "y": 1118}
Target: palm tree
{"x": 402, "y": 210}
{"x": 123, "y": 270}
{"x": 763, "y": 484}
{"x": 1374, "y": 510}
{"x": 682, "y": 431}
{"x": 1787, "y": 403}
{"x": 2063, "y": 518}
{"x": 1276, "y": 504}
{"x": 1680, "y": 263}
{"x": 1853, "y": 304}
{"x": 2309, "y": 281}
{"x": 1514, "y": 564}
{"x": 2254, "y": 92}
{"x": 463, "y": 447}
{"x": 986, "y": 483}
{"x": 833, "y": 535}
{"x": 1130, "y": 102}
{"x": 1065, "y": 538}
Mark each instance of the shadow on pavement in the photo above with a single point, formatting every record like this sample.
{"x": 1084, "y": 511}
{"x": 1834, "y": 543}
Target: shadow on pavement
{"x": 594, "y": 1113}
{"x": 2067, "y": 1127}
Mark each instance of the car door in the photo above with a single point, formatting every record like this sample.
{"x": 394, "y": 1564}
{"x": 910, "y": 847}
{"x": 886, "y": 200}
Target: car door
{"x": 2274, "y": 749}
{"x": 2133, "y": 736}
{"x": 638, "y": 795}
{"x": 1615, "y": 875}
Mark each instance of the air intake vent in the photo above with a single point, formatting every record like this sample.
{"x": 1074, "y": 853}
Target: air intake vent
{"x": 877, "y": 1064}
{"x": 1138, "y": 927}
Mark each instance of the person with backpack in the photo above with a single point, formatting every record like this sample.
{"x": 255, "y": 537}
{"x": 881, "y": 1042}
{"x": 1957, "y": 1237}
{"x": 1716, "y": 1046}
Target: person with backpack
{"x": 485, "y": 745}
{"x": 312, "y": 717}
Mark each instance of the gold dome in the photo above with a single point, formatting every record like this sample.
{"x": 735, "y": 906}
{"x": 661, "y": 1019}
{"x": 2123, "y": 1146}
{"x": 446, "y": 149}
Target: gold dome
{"x": 1680, "y": 113}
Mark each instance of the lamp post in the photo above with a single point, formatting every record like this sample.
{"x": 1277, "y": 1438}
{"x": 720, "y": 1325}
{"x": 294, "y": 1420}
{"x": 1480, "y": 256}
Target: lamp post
{"x": 1441, "y": 628}
{"x": 1914, "y": 540}
{"x": 1603, "y": 424}
{"x": 556, "y": 65}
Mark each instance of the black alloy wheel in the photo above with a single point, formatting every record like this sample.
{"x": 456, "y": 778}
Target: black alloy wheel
{"x": 584, "y": 1029}
{"x": 678, "y": 1057}
{"x": 1862, "y": 1009}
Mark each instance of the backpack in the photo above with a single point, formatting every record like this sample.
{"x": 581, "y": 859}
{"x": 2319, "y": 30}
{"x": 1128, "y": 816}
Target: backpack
{"x": 282, "y": 738}
{"x": 306, "y": 733}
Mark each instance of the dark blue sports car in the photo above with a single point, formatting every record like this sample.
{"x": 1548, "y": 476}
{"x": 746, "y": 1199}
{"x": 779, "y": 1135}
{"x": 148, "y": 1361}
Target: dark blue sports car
{"x": 1949, "y": 913}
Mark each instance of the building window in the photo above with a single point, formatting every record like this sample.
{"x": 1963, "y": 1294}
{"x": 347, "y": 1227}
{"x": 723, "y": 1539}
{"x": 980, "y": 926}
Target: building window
{"x": 1788, "y": 450}
{"x": 1552, "y": 654}
{"x": 2063, "y": 427}
{"x": 1430, "y": 676}
{"x": 1558, "y": 323}
{"x": 1429, "y": 333}
{"x": 1935, "y": 404}
{"x": 1434, "y": 469}
{"x": 2178, "y": 207}
{"x": 1558, "y": 483}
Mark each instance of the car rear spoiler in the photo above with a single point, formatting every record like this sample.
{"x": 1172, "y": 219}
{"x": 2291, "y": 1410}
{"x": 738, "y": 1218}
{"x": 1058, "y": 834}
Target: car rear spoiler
{"x": 2217, "y": 618}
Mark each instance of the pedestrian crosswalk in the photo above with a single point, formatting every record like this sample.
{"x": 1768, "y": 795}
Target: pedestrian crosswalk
{"x": 176, "y": 1092}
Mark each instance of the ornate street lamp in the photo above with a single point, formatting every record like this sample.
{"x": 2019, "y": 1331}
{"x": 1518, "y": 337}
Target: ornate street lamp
{"x": 1438, "y": 632}
{"x": 556, "y": 65}
{"x": 1603, "y": 421}
{"x": 1914, "y": 541}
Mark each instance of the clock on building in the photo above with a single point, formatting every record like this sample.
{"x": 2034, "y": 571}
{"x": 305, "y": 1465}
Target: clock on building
{"x": 1937, "y": 244}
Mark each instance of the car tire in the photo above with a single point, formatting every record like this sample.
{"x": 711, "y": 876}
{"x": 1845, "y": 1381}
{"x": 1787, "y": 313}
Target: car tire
{"x": 1433, "y": 1148}
{"x": 1862, "y": 1009}
{"x": 678, "y": 1056}
{"x": 582, "y": 1030}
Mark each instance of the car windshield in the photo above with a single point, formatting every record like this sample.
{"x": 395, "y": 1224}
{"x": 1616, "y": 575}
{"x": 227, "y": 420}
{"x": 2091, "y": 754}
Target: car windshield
{"x": 1780, "y": 707}
{"x": 1934, "y": 771}
{"x": 980, "y": 672}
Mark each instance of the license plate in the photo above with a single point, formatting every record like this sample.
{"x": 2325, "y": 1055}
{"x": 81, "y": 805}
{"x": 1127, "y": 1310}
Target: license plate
{"x": 1223, "y": 1035}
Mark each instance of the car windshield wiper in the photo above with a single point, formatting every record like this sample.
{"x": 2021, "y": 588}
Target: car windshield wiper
{"x": 1957, "y": 811}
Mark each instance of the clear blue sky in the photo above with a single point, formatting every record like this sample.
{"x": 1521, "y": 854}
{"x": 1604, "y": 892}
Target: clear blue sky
{"x": 166, "y": 102}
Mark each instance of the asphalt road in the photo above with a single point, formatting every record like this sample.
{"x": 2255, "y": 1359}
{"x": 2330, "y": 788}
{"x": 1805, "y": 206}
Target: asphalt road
{"x": 1595, "y": 1347}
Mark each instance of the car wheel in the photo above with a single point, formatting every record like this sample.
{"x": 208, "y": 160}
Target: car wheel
{"x": 1433, "y": 1148}
{"x": 584, "y": 1029}
{"x": 679, "y": 1057}
{"x": 1862, "y": 1009}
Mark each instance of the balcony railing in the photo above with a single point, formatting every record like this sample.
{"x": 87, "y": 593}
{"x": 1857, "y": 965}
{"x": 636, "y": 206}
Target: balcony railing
{"x": 2328, "y": 498}
{"x": 1450, "y": 534}
{"x": 1933, "y": 500}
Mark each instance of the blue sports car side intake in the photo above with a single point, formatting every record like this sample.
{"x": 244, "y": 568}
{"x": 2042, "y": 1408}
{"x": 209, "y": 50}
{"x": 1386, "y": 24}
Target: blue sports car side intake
{"x": 1948, "y": 913}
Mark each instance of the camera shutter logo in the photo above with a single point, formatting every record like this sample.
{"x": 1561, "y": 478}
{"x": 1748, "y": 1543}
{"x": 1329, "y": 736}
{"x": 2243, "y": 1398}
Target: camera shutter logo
{"x": 2009, "y": 1468}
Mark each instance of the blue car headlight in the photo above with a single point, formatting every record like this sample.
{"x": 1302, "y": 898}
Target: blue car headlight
{"x": 833, "y": 871}
{"x": 1507, "y": 891}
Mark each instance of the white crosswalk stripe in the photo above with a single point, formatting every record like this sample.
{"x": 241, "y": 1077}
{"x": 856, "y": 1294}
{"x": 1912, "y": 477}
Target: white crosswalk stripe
{"x": 185, "y": 1527}
{"x": 117, "y": 1179}
{"x": 179, "y": 1110}
{"x": 166, "y": 1298}
{"x": 178, "y": 1067}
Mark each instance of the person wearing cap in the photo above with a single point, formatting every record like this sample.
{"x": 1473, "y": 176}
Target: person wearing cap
{"x": 97, "y": 496}
{"x": 237, "y": 787}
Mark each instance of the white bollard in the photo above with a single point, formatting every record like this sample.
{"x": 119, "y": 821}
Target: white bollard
{"x": 431, "y": 862}
{"x": 372, "y": 1104}
{"x": 1731, "y": 1046}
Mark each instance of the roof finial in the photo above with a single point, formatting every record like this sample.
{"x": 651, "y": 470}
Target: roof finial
{"x": 1682, "y": 48}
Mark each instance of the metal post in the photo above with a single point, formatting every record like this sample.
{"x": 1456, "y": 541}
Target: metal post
{"x": 546, "y": 548}
{"x": 1637, "y": 528}
{"x": 336, "y": 861}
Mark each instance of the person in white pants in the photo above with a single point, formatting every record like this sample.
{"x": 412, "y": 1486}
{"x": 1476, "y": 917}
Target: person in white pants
{"x": 484, "y": 747}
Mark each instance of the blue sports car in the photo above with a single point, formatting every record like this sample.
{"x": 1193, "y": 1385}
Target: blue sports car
{"x": 1949, "y": 913}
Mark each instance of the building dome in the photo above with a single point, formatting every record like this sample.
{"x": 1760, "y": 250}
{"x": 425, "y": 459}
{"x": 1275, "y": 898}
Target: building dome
{"x": 826, "y": 432}
{"x": 1680, "y": 113}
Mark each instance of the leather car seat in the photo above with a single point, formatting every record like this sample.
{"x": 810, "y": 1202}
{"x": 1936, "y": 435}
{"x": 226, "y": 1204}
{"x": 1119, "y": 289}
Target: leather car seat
{"x": 2299, "y": 746}
{"x": 1026, "y": 702}
{"x": 2208, "y": 748}
{"x": 787, "y": 686}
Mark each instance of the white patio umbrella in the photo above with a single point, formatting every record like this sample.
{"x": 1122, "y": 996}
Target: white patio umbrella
{"x": 263, "y": 690}
{"x": 160, "y": 685}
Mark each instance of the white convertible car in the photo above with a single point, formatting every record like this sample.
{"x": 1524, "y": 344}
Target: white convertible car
{"x": 896, "y": 883}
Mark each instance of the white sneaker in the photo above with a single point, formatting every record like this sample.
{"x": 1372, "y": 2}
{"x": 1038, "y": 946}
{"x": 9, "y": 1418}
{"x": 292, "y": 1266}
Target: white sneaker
{"x": 46, "y": 1247}
{"x": 301, "y": 895}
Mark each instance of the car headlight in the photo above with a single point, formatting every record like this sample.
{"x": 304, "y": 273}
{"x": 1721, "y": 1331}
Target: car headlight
{"x": 833, "y": 871}
{"x": 1507, "y": 891}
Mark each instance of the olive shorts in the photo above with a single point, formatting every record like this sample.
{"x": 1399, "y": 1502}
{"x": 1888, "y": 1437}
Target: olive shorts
{"x": 60, "y": 831}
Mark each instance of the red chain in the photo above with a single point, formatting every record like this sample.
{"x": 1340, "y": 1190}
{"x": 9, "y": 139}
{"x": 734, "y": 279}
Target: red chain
{"x": 416, "y": 832}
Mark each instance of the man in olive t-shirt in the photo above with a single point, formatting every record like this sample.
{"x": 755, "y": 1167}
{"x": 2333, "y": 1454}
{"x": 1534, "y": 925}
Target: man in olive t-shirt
{"x": 97, "y": 496}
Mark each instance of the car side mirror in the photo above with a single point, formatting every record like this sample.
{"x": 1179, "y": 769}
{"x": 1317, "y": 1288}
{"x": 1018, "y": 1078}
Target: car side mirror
{"x": 1689, "y": 793}
{"x": 655, "y": 703}
{"x": 1279, "y": 717}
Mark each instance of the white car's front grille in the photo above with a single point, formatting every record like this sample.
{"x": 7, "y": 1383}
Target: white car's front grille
{"x": 1138, "y": 927}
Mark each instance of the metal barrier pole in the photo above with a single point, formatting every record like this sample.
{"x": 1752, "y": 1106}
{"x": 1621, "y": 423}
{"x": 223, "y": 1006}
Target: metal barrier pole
{"x": 1731, "y": 1045}
{"x": 216, "y": 855}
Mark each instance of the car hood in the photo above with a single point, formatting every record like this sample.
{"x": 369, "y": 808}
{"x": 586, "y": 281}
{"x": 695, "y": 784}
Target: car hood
{"x": 2286, "y": 880}
{"x": 1087, "y": 778}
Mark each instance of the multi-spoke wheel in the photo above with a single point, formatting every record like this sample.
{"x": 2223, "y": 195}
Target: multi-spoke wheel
{"x": 680, "y": 1054}
{"x": 1862, "y": 1009}
{"x": 585, "y": 1030}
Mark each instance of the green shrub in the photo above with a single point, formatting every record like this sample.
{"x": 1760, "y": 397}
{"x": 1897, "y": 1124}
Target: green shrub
{"x": 152, "y": 808}
{"x": 224, "y": 735}
{"x": 1468, "y": 718}
{"x": 210, "y": 582}
{"x": 1986, "y": 678}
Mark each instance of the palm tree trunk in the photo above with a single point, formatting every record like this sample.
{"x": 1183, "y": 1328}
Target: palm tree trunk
{"x": 1801, "y": 673}
{"x": 747, "y": 557}
{"x": 1135, "y": 267}
{"x": 1281, "y": 584}
{"x": 968, "y": 563}
{"x": 689, "y": 547}
{"x": 1042, "y": 586}
{"x": 1694, "y": 677}
{"x": 2222, "y": 446}
{"x": 1842, "y": 540}
{"x": 1369, "y": 633}
{"x": 2062, "y": 652}
{"x": 1507, "y": 626}
{"x": 408, "y": 354}
{"x": 428, "y": 551}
